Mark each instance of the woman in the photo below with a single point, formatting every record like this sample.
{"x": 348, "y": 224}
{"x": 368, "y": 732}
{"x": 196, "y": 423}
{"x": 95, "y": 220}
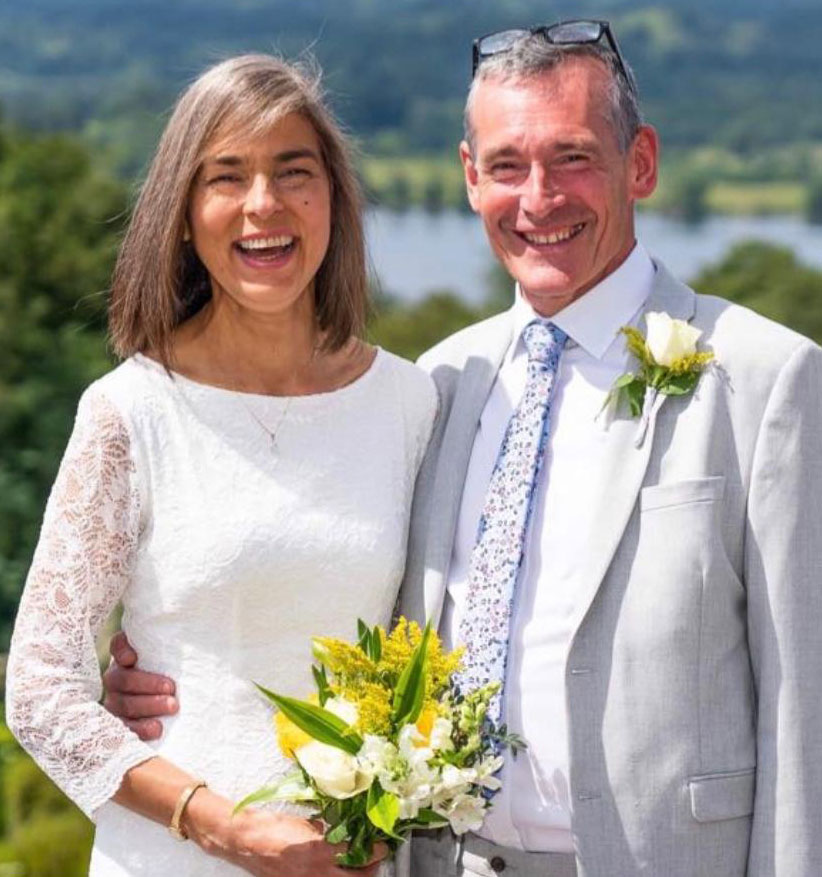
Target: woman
{"x": 241, "y": 482}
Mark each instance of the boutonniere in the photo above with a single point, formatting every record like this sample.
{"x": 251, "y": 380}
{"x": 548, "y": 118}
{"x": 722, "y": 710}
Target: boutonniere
{"x": 669, "y": 365}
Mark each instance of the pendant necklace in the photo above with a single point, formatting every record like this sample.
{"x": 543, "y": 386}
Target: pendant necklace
{"x": 271, "y": 433}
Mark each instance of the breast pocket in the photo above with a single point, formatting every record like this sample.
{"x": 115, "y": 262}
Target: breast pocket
{"x": 694, "y": 490}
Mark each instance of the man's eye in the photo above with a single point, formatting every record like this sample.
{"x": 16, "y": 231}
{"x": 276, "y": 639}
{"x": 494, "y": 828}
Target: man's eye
{"x": 574, "y": 158}
{"x": 504, "y": 168}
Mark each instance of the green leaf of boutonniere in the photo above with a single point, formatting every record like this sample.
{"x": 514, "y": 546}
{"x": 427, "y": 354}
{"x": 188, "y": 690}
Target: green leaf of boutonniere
{"x": 668, "y": 363}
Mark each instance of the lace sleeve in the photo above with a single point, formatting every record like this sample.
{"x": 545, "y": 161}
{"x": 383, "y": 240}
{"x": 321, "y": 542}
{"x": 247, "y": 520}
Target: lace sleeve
{"x": 81, "y": 566}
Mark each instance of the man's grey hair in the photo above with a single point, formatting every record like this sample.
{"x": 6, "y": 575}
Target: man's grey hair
{"x": 533, "y": 55}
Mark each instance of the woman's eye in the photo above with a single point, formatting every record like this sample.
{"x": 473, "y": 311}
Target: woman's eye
{"x": 223, "y": 178}
{"x": 293, "y": 176}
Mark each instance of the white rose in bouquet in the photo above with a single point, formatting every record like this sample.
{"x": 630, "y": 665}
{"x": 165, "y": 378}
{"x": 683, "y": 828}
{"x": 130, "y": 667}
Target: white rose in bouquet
{"x": 336, "y": 773}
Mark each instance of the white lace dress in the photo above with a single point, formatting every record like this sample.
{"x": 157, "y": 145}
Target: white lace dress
{"x": 228, "y": 557}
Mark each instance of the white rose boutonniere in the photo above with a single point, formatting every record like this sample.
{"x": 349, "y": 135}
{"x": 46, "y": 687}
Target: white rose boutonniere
{"x": 669, "y": 364}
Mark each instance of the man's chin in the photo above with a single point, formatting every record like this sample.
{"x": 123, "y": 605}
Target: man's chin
{"x": 548, "y": 299}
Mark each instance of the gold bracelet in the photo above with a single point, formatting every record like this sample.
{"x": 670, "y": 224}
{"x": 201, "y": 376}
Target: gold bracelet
{"x": 182, "y": 802}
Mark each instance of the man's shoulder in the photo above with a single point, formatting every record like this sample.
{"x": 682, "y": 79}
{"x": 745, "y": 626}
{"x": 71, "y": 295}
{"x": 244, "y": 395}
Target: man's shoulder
{"x": 743, "y": 339}
{"x": 478, "y": 339}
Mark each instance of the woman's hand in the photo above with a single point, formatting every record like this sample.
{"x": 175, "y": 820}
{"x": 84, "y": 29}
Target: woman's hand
{"x": 270, "y": 844}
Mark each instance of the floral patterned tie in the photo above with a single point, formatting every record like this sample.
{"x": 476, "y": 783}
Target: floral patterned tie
{"x": 497, "y": 555}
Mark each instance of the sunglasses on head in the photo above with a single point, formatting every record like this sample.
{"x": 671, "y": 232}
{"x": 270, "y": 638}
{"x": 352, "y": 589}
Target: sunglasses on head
{"x": 563, "y": 33}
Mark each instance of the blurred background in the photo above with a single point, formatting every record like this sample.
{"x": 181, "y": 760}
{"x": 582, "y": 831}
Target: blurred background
{"x": 85, "y": 87}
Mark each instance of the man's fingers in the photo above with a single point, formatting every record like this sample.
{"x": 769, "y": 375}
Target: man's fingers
{"x": 121, "y": 650}
{"x": 140, "y": 706}
{"x": 118, "y": 680}
{"x": 145, "y": 729}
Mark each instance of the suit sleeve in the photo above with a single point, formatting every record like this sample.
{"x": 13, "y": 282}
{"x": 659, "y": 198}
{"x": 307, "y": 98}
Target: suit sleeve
{"x": 783, "y": 573}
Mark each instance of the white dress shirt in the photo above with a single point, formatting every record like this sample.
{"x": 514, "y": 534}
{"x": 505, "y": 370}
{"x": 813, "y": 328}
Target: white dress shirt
{"x": 533, "y": 810}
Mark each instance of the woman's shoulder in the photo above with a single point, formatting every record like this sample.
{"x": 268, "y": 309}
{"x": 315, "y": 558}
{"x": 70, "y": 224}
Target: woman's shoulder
{"x": 131, "y": 389}
{"x": 416, "y": 385}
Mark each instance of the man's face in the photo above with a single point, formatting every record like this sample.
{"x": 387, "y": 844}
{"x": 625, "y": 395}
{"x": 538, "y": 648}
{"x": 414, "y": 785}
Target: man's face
{"x": 548, "y": 179}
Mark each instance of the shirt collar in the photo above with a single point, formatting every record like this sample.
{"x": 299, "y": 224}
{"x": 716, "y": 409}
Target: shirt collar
{"x": 595, "y": 318}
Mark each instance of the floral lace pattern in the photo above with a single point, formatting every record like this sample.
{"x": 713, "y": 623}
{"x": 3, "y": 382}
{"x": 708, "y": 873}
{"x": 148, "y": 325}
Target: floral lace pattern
{"x": 497, "y": 554}
{"x": 80, "y": 569}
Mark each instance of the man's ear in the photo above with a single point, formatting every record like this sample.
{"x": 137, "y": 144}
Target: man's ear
{"x": 471, "y": 175}
{"x": 644, "y": 162}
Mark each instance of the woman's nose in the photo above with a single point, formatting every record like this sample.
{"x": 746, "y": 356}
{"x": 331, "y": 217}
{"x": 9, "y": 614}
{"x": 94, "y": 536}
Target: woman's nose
{"x": 262, "y": 197}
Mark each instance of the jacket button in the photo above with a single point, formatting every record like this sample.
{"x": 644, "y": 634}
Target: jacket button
{"x": 497, "y": 864}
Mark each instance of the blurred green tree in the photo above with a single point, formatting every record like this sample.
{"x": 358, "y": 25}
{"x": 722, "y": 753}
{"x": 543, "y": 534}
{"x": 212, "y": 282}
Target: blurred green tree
{"x": 771, "y": 281}
{"x": 60, "y": 219}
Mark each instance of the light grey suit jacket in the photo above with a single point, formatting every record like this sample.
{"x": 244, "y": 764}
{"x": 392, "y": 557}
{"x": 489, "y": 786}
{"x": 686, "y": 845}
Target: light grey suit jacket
{"x": 694, "y": 677}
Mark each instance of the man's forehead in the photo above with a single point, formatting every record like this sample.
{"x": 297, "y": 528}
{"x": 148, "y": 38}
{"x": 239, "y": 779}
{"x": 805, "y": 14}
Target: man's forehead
{"x": 554, "y": 103}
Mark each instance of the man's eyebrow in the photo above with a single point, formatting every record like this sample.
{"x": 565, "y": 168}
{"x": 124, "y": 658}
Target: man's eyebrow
{"x": 495, "y": 154}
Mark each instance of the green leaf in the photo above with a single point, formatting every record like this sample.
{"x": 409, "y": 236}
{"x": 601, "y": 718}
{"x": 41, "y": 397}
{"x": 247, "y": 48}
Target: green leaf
{"x": 382, "y": 809}
{"x": 323, "y": 688}
{"x": 410, "y": 691}
{"x": 679, "y": 385}
{"x": 337, "y": 833}
{"x": 624, "y": 380}
{"x": 291, "y": 788}
{"x": 635, "y": 395}
{"x": 376, "y": 644}
{"x": 364, "y": 636}
{"x": 359, "y": 850}
{"x": 319, "y": 723}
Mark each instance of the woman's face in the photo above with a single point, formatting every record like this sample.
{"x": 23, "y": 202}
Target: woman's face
{"x": 260, "y": 215}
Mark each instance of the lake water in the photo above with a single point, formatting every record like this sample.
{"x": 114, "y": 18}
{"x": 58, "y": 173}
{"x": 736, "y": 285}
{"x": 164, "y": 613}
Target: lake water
{"x": 416, "y": 252}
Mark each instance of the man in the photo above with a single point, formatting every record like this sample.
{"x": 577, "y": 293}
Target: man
{"x": 652, "y": 598}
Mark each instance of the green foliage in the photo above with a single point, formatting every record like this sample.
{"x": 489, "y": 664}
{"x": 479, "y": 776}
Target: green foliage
{"x": 409, "y": 329}
{"x": 59, "y": 223}
{"x": 54, "y": 845}
{"x": 770, "y": 280}
{"x": 44, "y": 835}
{"x": 715, "y": 73}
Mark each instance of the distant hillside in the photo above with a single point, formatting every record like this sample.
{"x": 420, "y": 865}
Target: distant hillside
{"x": 743, "y": 74}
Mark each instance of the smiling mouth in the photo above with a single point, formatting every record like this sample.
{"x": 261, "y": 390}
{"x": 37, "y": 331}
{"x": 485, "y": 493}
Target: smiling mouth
{"x": 266, "y": 249}
{"x": 560, "y": 236}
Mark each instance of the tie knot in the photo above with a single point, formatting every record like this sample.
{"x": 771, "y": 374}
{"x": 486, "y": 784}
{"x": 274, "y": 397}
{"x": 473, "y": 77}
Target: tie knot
{"x": 543, "y": 341}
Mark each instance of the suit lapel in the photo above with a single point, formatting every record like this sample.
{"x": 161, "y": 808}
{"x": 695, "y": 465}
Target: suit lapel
{"x": 472, "y": 391}
{"x": 626, "y": 464}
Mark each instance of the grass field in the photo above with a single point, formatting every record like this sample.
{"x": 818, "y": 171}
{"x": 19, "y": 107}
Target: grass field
{"x": 436, "y": 182}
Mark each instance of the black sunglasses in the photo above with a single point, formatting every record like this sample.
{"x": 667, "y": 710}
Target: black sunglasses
{"x": 563, "y": 33}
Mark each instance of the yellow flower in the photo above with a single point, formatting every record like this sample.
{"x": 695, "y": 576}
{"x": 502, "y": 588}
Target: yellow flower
{"x": 397, "y": 649}
{"x": 425, "y": 724}
{"x": 343, "y": 659}
{"x": 289, "y": 736}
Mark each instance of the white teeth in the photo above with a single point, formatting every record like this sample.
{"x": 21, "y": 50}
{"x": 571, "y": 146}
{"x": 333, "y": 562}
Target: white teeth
{"x": 555, "y": 237}
{"x": 282, "y": 240}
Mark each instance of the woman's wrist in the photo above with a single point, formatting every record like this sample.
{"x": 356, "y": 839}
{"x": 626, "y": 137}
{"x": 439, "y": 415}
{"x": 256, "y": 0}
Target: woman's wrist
{"x": 208, "y": 821}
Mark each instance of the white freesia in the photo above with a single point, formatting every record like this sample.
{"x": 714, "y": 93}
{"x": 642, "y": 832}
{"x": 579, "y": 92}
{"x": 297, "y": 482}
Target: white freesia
{"x": 440, "y": 740}
{"x": 336, "y": 773}
{"x": 486, "y": 770}
{"x": 464, "y": 812}
{"x": 669, "y": 339}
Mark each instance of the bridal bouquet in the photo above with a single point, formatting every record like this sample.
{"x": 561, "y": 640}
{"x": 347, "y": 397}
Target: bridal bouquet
{"x": 388, "y": 743}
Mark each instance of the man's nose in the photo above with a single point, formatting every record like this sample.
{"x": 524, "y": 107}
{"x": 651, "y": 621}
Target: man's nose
{"x": 262, "y": 197}
{"x": 540, "y": 194}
